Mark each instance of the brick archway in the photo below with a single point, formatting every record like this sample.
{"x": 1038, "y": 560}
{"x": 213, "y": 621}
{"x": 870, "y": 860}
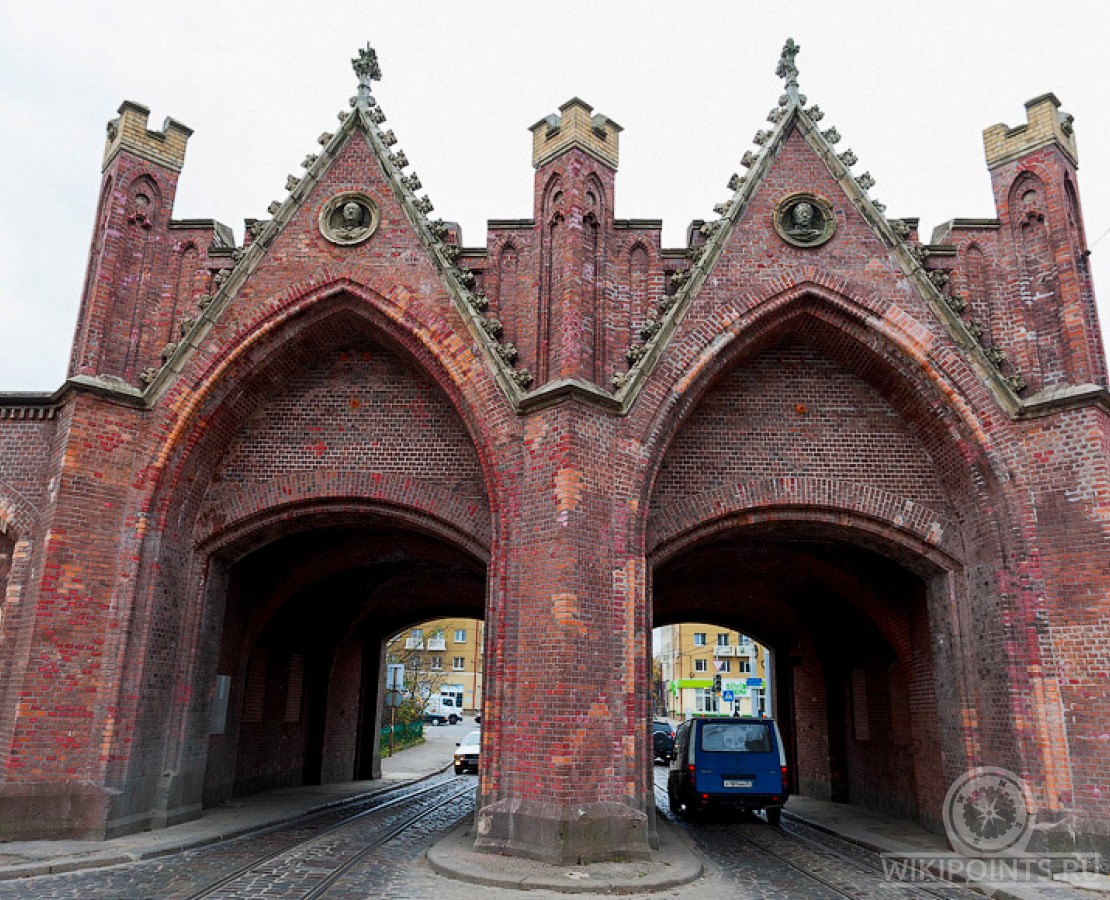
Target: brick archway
{"x": 322, "y": 419}
{"x": 849, "y": 609}
{"x": 820, "y": 424}
{"x": 309, "y": 597}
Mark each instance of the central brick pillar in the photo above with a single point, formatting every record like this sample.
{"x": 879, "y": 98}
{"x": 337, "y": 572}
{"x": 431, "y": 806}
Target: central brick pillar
{"x": 566, "y": 721}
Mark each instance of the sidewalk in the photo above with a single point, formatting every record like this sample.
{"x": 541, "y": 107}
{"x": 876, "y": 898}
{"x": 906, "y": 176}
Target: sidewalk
{"x": 454, "y": 855}
{"x": 22, "y": 859}
{"x": 885, "y": 834}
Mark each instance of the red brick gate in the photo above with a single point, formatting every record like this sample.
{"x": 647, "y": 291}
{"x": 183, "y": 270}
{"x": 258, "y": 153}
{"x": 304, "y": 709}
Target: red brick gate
{"x": 885, "y": 458}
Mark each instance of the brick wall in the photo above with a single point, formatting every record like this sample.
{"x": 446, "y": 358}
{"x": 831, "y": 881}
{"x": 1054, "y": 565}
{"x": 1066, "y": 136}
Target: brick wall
{"x": 341, "y": 740}
{"x": 793, "y": 412}
{"x": 816, "y": 420}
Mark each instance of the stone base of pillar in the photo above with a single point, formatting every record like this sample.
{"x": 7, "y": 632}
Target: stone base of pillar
{"x": 562, "y": 834}
{"x": 53, "y": 811}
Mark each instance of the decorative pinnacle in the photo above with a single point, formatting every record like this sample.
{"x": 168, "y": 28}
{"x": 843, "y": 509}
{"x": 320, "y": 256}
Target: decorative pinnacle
{"x": 367, "y": 70}
{"x": 786, "y": 68}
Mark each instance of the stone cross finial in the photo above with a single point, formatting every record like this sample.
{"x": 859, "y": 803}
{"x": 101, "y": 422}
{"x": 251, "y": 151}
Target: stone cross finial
{"x": 786, "y": 68}
{"x": 366, "y": 66}
{"x": 367, "y": 70}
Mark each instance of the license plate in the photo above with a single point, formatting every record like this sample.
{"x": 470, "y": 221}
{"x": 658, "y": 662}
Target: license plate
{"x": 738, "y": 783}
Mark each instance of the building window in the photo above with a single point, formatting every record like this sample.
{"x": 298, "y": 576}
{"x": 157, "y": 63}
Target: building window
{"x": 699, "y": 638}
{"x": 437, "y": 662}
{"x": 457, "y": 663}
{"x": 725, "y": 665}
{"x": 744, "y": 666}
{"x": 701, "y": 665}
{"x": 705, "y": 701}
{"x": 460, "y": 635}
{"x": 722, "y": 640}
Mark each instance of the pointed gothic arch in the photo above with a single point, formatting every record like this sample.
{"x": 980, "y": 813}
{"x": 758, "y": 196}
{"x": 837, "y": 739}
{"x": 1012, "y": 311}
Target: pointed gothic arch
{"x": 197, "y": 497}
{"x": 881, "y": 342}
{"x": 637, "y": 301}
{"x": 942, "y": 548}
{"x": 1048, "y": 346}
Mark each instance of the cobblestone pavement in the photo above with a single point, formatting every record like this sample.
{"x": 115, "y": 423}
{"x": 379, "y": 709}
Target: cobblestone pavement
{"x": 295, "y": 857}
{"x": 743, "y": 859}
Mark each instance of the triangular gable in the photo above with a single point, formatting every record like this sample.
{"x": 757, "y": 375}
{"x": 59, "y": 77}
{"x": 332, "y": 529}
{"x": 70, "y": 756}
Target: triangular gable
{"x": 362, "y": 122}
{"x": 791, "y": 117}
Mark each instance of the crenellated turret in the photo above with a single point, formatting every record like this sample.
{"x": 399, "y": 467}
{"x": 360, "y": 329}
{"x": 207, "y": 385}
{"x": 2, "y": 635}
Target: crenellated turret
{"x": 575, "y": 155}
{"x": 145, "y": 271}
{"x": 1045, "y": 312}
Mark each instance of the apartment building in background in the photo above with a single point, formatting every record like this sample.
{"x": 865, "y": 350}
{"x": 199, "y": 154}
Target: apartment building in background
{"x": 442, "y": 657}
{"x": 708, "y": 670}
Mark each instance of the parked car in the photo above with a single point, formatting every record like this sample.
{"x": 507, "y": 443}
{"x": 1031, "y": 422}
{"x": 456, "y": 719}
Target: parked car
{"x": 729, "y": 763}
{"x": 662, "y": 740}
{"x": 466, "y": 753}
{"x": 443, "y": 708}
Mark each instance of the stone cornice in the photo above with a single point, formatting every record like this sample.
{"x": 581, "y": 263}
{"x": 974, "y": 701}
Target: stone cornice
{"x": 638, "y": 224}
{"x": 510, "y": 224}
{"x": 222, "y": 235}
{"x": 108, "y": 388}
{"x": 29, "y": 406}
{"x": 554, "y": 392}
{"x": 946, "y": 228}
{"x": 1062, "y": 399}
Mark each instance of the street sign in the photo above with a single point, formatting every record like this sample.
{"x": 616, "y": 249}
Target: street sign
{"x": 755, "y": 682}
{"x": 727, "y": 695}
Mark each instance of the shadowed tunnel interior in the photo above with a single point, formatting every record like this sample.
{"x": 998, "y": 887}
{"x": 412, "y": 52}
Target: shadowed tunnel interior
{"x": 301, "y": 648}
{"x": 848, "y": 630}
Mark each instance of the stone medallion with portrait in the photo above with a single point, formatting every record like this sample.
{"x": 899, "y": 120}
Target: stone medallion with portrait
{"x": 349, "y": 218}
{"x": 804, "y": 220}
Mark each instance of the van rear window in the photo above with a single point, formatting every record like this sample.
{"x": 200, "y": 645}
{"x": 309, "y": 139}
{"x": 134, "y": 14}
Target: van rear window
{"x": 736, "y": 737}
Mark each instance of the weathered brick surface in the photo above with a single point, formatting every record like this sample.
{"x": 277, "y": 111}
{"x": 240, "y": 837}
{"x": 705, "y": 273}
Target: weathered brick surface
{"x": 819, "y": 456}
{"x": 792, "y": 412}
{"x": 368, "y": 425}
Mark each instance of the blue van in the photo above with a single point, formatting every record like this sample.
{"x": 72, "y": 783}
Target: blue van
{"x": 729, "y": 763}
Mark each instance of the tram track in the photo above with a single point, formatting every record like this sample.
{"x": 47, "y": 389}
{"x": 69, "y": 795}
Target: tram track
{"x": 376, "y": 843}
{"x": 311, "y": 859}
{"x": 833, "y": 869}
{"x": 818, "y": 861}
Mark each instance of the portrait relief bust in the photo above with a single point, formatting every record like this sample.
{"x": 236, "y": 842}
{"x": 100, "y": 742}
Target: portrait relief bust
{"x": 804, "y": 220}
{"x": 349, "y": 218}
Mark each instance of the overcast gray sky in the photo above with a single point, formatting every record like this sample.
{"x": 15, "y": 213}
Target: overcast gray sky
{"x": 910, "y": 86}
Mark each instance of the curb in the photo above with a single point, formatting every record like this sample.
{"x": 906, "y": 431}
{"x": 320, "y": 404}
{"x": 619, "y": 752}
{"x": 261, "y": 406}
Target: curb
{"x": 995, "y": 893}
{"x": 60, "y": 865}
{"x": 675, "y": 863}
